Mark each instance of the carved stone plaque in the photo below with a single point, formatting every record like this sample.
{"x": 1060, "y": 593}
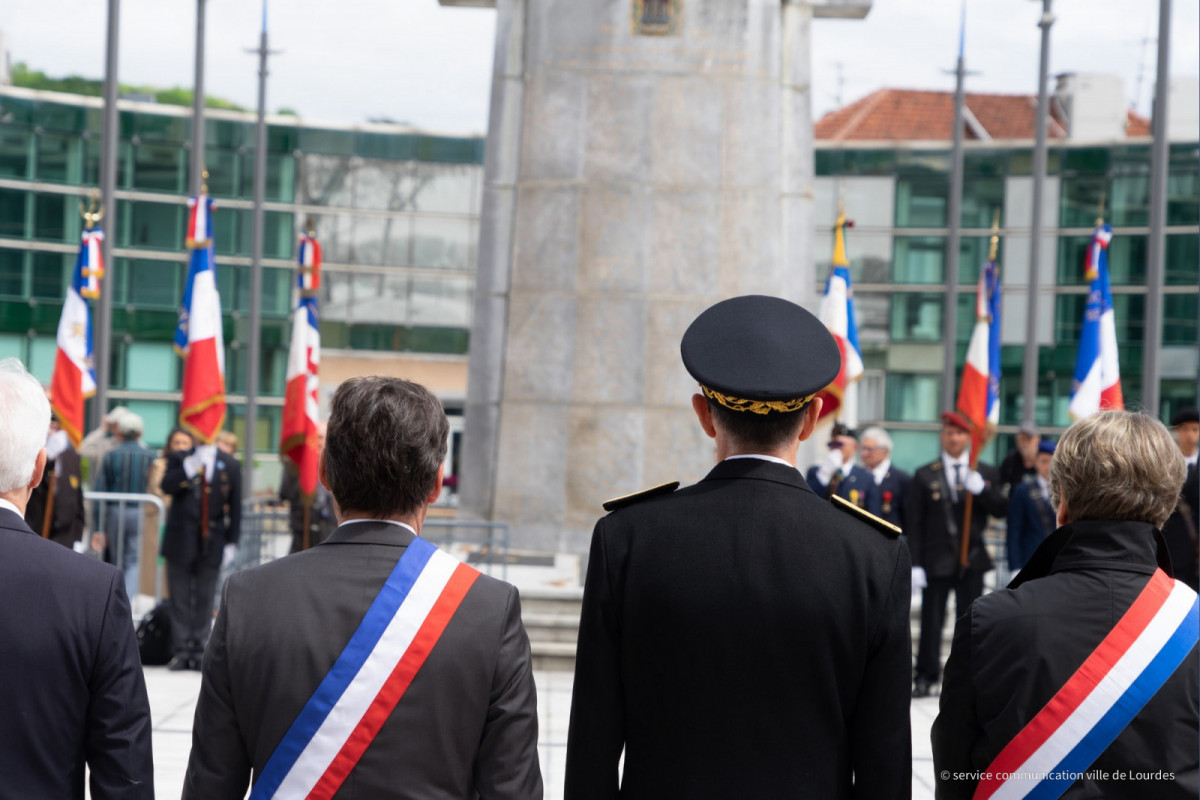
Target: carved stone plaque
{"x": 656, "y": 17}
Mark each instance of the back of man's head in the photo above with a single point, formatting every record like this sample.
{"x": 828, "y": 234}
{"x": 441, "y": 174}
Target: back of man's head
{"x": 24, "y": 423}
{"x": 129, "y": 426}
{"x": 386, "y": 439}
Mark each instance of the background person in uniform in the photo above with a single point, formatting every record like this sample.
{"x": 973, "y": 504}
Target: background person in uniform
{"x": 124, "y": 469}
{"x": 66, "y": 518}
{"x": 1031, "y": 517}
{"x": 74, "y": 695}
{"x": 742, "y": 637}
{"x": 1114, "y": 479}
{"x": 467, "y": 725}
{"x": 1181, "y": 529}
{"x": 200, "y": 538}
{"x": 321, "y": 518}
{"x": 837, "y": 473}
{"x": 1020, "y": 464}
{"x": 98, "y": 442}
{"x": 886, "y": 496}
{"x": 934, "y": 510}
{"x": 227, "y": 443}
{"x": 178, "y": 440}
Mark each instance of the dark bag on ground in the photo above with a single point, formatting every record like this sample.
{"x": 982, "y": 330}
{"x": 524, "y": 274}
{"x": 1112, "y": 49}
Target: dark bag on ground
{"x": 154, "y": 637}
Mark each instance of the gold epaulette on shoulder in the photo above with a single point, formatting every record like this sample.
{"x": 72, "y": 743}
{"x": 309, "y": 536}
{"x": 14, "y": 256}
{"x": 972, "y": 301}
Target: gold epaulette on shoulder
{"x": 636, "y": 497}
{"x": 881, "y": 525}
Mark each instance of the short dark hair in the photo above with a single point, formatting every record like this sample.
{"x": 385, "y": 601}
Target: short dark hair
{"x": 385, "y": 440}
{"x": 760, "y": 431}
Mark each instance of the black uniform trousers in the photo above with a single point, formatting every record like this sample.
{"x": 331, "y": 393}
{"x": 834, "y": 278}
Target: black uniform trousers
{"x": 966, "y": 590}
{"x": 190, "y": 605}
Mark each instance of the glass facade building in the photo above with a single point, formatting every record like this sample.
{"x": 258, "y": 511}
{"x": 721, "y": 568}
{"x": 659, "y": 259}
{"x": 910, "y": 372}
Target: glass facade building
{"x": 396, "y": 211}
{"x": 897, "y": 194}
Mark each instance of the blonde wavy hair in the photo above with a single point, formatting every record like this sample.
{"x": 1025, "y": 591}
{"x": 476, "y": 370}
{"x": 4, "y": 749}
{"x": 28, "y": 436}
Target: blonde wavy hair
{"x": 1117, "y": 465}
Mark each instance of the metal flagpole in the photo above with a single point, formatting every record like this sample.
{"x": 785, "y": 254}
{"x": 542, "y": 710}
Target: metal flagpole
{"x": 198, "y": 105}
{"x": 1029, "y": 370}
{"x": 950, "y": 315}
{"x": 260, "y": 188}
{"x": 111, "y": 132}
{"x": 1152, "y": 343}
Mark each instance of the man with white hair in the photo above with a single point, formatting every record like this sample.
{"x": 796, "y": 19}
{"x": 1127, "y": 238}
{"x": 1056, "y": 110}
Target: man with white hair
{"x": 96, "y": 444}
{"x": 886, "y": 497}
{"x": 74, "y": 694}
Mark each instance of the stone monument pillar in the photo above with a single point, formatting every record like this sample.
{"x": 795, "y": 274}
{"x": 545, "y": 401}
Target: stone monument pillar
{"x": 645, "y": 159}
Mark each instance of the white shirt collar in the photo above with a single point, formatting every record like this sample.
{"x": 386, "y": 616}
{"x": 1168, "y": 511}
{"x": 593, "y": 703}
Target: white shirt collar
{"x": 1192, "y": 459}
{"x": 882, "y": 470}
{"x": 1043, "y": 485}
{"x": 949, "y": 462}
{"x": 762, "y": 457}
{"x": 386, "y": 521}
{"x": 6, "y": 504}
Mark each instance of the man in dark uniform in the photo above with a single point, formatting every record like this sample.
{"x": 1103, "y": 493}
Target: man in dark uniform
{"x": 200, "y": 538}
{"x": 886, "y": 498}
{"x": 837, "y": 473}
{"x": 1092, "y": 608}
{"x": 373, "y": 665}
{"x": 742, "y": 637}
{"x": 1181, "y": 531}
{"x": 934, "y": 511}
{"x": 1020, "y": 465}
{"x": 74, "y": 697}
{"x": 1031, "y": 517}
{"x": 62, "y": 490}
{"x": 321, "y": 518}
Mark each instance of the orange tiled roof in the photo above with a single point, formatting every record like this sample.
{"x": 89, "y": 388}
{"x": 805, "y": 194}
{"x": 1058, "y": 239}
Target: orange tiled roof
{"x": 917, "y": 115}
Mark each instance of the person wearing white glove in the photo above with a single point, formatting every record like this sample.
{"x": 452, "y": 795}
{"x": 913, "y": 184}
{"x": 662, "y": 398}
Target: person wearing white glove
{"x": 934, "y": 514}
{"x": 837, "y": 473}
{"x": 228, "y": 555}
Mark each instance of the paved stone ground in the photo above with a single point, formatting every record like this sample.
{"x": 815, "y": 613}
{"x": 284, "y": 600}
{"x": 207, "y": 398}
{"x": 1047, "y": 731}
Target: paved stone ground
{"x": 173, "y": 700}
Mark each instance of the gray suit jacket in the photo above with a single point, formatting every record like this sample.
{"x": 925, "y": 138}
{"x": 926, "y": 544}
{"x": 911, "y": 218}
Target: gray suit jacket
{"x": 466, "y": 727}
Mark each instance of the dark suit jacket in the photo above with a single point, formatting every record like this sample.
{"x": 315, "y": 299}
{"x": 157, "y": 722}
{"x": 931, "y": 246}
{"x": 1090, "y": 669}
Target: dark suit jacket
{"x": 72, "y": 682}
{"x": 742, "y": 638}
{"x": 467, "y": 724}
{"x": 182, "y": 542}
{"x": 1015, "y": 648}
{"x": 67, "y": 519}
{"x": 886, "y": 498}
{"x": 1180, "y": 533}
{"x": 855, "y": 487}
{"x": 1031, "y": 519}
{"x": 932, "y": 521}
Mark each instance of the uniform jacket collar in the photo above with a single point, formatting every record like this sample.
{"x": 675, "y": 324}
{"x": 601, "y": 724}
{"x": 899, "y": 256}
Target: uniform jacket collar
{"x": 370, "y": 533}
{"x": 758, "y": 469}
{"x": 1097, "y": 544}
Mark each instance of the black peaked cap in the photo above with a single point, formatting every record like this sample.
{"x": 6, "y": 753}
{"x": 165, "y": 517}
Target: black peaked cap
{"x": 760, "y": 348}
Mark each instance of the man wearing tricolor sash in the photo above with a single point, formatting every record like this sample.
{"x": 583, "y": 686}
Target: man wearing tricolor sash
{"x": 372, "y": 665}
{"x": 1081, "y": 679}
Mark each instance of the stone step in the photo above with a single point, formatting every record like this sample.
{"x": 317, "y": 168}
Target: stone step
{"x": 562, "y": 602}
{"x": 553, "y": 656}
{"x": 544, "y": 627}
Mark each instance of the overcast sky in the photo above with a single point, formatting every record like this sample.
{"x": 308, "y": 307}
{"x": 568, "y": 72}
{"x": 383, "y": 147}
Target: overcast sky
{"x": 416, "y": 62}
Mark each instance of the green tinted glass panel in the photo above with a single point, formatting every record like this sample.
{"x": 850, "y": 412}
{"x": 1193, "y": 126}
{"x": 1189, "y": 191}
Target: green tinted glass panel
{"x": 226, "y": 236}
{"x": 1079, "y": 201}
{"x": 43, "y": 351}
{"x": 52, "y": 218}
{"x": 912, "y": 397}
{"x": 828, "y": 162}
{"x": 1072, "y": 250}
{"x": 151, "y": 367}
{"x": 911, "y": 449}
{"x": 450, "y": 341}
{"x": 869, "y": 162}
{"x": 276, "y": 290}
{"x": 1183, "y": 197}
{"x": 921, "y": 202}
{"x": 223, "y": 171}
{"x": 12, "y": 214}
{"x": 1086, "y": 160}
{"x": 220, "y": 133}
{"x": 329, "y": 142}
{"x": 1183, "y": 259}
{"x": 159, "y": 168}
{"x": 923, "y": 161}
{"x": 162, "y": 128}
{"x": 385, "y": 145}
{"x": 58, "y": 158}
{"x": 14, "y": 153}
{"x": 1127, "y": 261}
{"x": 1180, "y": 312}
{"x": 282, "y": 138}
{"x": 12, "y": 274}
{"x": 992, "y": 163}
{"x": 917, "y": 317}
{"x": 1129, "y": 202}
{"x": 155, "y": 284}
{"x": 16, "y": 111}
{"x": 50, "y": 272}
{"x": 972, "y": 257}
{"x": 1128, "y": 314}
{"x": 146, "y": 324}
{"x": 91, "y": 161}
{"x": 12, "y": 345}
{"x": 159, "y": 226}
{"x": 919, "y": 259}
{"x": 159, "y": 417}
{"x": 982, "y": 198}
{"x": 59, "y": 117}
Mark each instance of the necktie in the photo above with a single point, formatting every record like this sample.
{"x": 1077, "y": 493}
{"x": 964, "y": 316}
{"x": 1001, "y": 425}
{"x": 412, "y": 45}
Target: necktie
{"x": 203, "y": 505}
{"x": 958, "y": 485}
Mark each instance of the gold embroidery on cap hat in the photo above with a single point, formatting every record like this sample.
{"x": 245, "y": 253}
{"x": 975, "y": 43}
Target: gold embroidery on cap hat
{"x": 756, "y": 406}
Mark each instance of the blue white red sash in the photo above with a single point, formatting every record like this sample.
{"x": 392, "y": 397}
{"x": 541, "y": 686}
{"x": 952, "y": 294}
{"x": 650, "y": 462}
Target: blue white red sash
{"x": 1108, "y": 690}
{"x": 368, "y": 679}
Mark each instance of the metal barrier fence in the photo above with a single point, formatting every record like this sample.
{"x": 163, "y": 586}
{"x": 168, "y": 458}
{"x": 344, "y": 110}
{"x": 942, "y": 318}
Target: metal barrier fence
{"x": 108, "y": 514}
{"x": 266, "y": 535}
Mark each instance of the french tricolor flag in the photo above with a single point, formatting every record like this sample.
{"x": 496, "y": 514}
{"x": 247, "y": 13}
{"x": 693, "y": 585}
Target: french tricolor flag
{"x": 837, "y": 312}
{"x": 298, "y": 434}
{"x": 199, "y": 337}
{"x": 1097, "y": 369}
{"x": 979, "y": 393}
{"x": 74, "y": 379}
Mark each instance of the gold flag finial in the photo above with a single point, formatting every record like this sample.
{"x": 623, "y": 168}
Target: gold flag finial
{"x": 94, "y": 211}
{"x": 994, "y": 244}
